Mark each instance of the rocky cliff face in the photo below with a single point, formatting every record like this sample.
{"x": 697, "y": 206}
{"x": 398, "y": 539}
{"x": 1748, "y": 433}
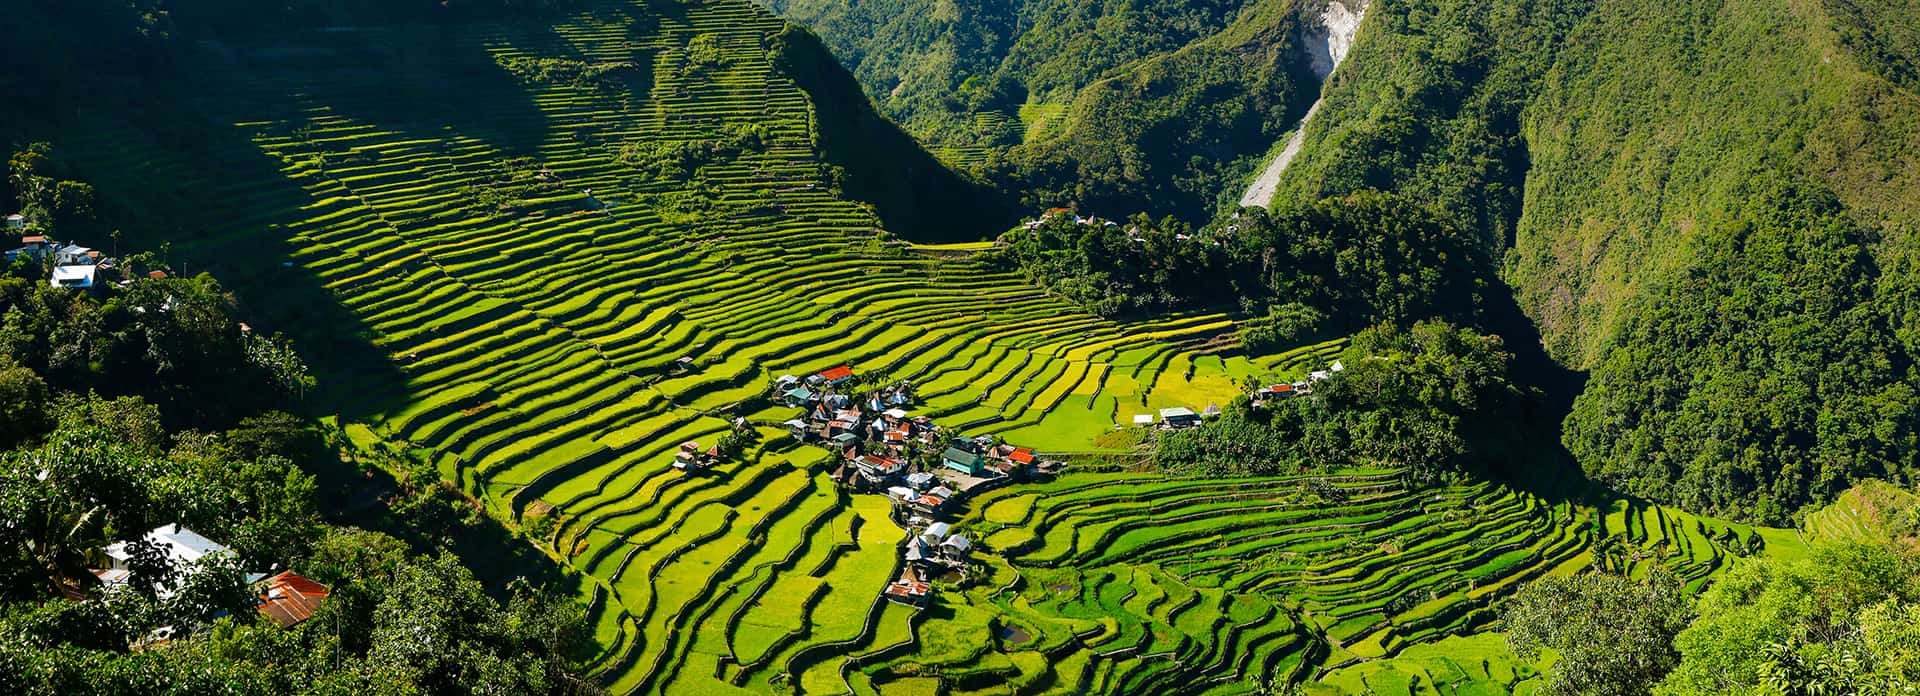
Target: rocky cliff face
{"x": 1328, "y": 34}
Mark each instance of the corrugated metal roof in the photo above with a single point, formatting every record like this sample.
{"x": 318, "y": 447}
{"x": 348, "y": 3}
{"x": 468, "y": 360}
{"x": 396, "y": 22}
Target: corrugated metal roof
{"x": 291, "y": 598}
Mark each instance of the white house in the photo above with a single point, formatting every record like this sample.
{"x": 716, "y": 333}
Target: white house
{"x": 16, "y": 222}
{"x": 1178, "y": 417}
{"x": 182, "y": 549}
{"x": 79, "y": 277}
{"x": 74, "y": 254}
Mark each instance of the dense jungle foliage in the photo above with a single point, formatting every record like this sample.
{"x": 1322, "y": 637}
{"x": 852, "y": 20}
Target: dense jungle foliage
{"x": 1843, "y": 621}
{"x": 1303, "y": 270}
{"x": 1770, "y": 375}
{"x": 1601, "y": 161}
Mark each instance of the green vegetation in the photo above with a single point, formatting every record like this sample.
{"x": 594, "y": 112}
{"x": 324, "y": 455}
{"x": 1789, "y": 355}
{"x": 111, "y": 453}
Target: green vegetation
{"x": 1837, "y": 618}
{"x": 1326, "y": 268}
{"x": 1406, "y": 398}
{"x": 1116, "y": 105}
{"x": 530, "y": 254}
{"x": 1613, "y": 635}
{"x": 438, "y": 278}
{"x": 1842, "y": 620}
{"x": 183, "y": 436}
{"x": 1762, "y": 381}
{"x": 1131, "y": 583}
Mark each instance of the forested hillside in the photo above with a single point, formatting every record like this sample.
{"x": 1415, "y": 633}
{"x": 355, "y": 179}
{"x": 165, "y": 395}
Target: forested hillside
{"x": 1620, "y": 155}
{"x": 1118, "y": 105}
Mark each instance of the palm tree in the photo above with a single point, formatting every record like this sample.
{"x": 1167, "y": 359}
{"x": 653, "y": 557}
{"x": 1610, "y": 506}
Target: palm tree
{"x": 63, "y": 540}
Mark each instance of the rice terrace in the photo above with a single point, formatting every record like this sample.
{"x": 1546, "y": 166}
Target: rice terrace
{"x": 606, "y": 271}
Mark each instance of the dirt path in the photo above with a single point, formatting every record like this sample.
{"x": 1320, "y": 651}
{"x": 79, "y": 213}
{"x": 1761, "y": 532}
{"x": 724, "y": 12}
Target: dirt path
{"x": 1262, "y": 190}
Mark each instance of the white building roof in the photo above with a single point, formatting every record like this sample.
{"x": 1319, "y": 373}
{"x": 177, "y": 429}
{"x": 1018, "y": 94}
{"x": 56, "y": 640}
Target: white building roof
{"x": 936, "y": 531}
{"x": 957, "y": 542}
{"x": 179, "y": 543}
{"x": 1175, "y": 412}
{"x": 73, "y": 276}
{"x": 894, "y": 413}
{"x": 182, "y": 547}
{"x": 1143, "y": 419}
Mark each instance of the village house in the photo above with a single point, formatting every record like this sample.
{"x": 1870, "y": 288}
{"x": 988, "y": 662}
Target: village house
{"x": 1178, "y": 417}
{"x": 879, "y": 470}
{"x": 800, "y": 397}
{"x": 16, "y": 222}
{"x": 690, "y": 459}
{"x": 932, "y": 502}
{"x": 182, "y": 549}
{"x": 35, "y": 247}
{"x": 909, "y": 591}
{"x": 962, "y": 461}
{"x": 79, "y": 277}
{"x": 956, "y": 549}
{"x": 831, "y": 377}
{"x": 1274, "y": 391}
{"x": 75, "y": 255}
{"x": 290, "y": 598}
{"x": 844, "y": 441}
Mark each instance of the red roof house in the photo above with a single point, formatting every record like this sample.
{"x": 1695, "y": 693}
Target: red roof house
{"x": 291, "y": 598}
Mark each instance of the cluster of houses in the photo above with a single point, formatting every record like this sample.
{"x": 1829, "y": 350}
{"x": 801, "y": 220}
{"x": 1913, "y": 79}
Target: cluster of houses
{"x": 285, "y": 599}
{"x": 74, "y": 266}
{"x": 1133, "y": 231}
{"x": 930, "y": 553}
{"x": 1052, "y": 213}
{"x": 874, "y": 423}
{"x": 914, "y": 462}
{"x": 1283, "y": 391}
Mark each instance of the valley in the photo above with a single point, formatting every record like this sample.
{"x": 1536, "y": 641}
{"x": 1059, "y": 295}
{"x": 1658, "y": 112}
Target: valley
{"x": 555, "y": 259}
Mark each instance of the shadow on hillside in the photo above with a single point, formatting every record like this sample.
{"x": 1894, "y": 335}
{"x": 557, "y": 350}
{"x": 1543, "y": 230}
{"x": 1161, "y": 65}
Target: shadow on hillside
{"x": 170, "y": 174}
{"x": 913, "y": 193}
{"x": 1529, "y": 455}
{"x": 425, "y": 80}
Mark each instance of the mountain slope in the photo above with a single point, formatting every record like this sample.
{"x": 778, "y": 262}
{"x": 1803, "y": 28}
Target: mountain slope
{"x": 1117, "y": 106}
{"x": 1612, "y": 149}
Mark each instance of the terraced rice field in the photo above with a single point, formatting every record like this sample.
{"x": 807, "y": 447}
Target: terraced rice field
{"x": 1867, "y": 511}
{"x": 526, "y": 291}
{"x": 478, "y": 269}
{"x": 1128, "y": 583}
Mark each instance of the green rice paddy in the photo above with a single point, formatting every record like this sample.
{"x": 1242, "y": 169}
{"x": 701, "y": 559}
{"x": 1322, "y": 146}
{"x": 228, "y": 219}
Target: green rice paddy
{"x": 478, "y": 270}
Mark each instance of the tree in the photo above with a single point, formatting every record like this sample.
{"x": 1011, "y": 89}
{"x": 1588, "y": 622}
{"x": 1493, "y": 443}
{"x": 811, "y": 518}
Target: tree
{"x": 1407, "y": 398}
{"x": 23, "y": 404}
{"x": 1613, "y": 633}
{"x": 1832, "y": 624}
